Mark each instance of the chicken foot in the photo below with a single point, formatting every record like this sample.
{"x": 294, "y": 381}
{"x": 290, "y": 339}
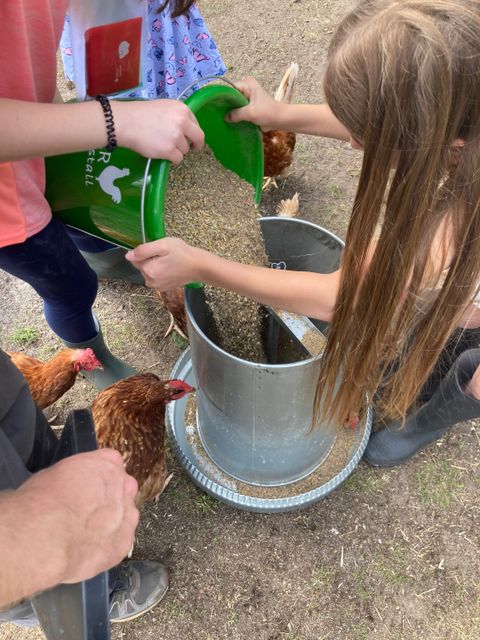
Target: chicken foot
{"x": 173, "y": 326}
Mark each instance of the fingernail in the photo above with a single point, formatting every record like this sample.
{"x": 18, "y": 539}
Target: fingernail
{"x": 129, "y": 255}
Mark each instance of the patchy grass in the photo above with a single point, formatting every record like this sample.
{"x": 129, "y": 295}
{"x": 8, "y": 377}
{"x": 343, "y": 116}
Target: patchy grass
{"x": 365, "y": 480}
{"x": 206, "y": 504}
{"x": 171, "y": 610}
{"x": 393, "y": 565}
{"x": 360, "y": 585}
{"x": 439, "y": 484}
{"x": 140, "y": 302}
{"x": 175, "y": 495}
{"x": 24, "y": 336}
{"x": 119, "y": 336}
{"x": 179, "y": 340}
{"x": 232, "y": 617}
{"x": 45, "y": 351}
{"x": 360, "y": 631}
{"x": 334, "y": 190}
{"x": 321, "y": 577}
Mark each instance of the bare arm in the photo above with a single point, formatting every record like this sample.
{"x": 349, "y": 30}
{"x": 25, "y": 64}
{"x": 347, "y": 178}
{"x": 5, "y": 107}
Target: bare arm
{"x": 29, "y": 129}
{"x": 66, "y": 524}
{"x": 170, "y": 263}
{"x": 313, "y": 119}
{"x": 305, "y": 293}
{"x": 157, "y": 129}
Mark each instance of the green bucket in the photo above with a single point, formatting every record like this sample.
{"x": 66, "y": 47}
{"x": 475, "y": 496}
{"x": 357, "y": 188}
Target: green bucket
{"x": 120, "y": 196}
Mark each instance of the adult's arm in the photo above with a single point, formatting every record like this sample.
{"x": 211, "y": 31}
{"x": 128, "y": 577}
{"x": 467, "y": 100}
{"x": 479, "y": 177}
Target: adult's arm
{"x": 66, "y": 524}
{"x": 156, "y": 129}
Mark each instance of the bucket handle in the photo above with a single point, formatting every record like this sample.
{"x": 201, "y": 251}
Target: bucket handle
{"x": 149, "y": 160}
{"x": 202, "y": 79}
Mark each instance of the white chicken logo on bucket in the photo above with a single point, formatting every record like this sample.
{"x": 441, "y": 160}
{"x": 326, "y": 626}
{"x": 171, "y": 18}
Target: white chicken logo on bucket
{"x": 107, "y": 178}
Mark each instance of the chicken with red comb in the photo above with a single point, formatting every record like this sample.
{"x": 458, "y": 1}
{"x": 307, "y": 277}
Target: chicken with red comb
{"x": 86, "y": 360}
{"x": 48, "y": 381}
{"x": 129, "y": 416}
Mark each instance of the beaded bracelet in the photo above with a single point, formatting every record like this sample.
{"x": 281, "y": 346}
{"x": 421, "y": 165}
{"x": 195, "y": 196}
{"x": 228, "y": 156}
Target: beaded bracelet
{"x": 107, "y": 111}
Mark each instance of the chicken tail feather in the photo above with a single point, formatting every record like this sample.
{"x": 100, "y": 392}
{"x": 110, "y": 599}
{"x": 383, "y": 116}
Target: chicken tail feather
{"x": 289, "y": 208}
{"x": 286, "y": 89}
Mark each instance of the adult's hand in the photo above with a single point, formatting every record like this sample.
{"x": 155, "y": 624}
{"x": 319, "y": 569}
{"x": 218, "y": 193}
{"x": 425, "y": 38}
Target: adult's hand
{"x": 157, "y": 129}
{"x": 66, "y": 524}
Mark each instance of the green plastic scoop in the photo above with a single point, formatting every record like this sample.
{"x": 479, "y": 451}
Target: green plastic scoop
{"x": 120, "y": 196}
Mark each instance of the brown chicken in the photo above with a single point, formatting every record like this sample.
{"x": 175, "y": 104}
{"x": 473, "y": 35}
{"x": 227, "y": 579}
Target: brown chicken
{"x": 48, "y": 381}
{"x": 129, "y": 416}
{"x": 278, "y": 145}
{"x": 173, "y": 300}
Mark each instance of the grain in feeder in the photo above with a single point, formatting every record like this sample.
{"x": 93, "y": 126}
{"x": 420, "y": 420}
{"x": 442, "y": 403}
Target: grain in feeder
{"x": 211, "y": 207}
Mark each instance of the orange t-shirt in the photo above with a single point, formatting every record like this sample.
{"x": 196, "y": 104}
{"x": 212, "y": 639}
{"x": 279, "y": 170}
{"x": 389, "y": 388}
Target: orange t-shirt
{"x": 29, "y": 35}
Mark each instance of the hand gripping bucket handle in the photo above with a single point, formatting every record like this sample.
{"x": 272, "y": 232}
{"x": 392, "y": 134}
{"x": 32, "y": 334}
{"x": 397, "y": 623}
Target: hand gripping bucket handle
{"x": 120, "y": 196}
{"x": 164, "y": 165}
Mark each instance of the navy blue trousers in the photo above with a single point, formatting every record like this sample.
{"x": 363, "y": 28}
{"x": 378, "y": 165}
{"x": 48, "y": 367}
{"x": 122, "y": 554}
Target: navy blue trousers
{"x": 51, "y": 263}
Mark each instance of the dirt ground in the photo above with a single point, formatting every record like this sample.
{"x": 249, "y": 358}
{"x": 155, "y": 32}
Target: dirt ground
{"x": 390, "y": 554}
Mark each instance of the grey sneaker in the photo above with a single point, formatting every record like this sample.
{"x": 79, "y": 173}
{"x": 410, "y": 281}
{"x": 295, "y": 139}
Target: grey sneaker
{"x": 136, "y": 588}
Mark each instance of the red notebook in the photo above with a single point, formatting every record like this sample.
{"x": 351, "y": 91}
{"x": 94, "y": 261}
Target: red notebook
{"x": 112, "y": 56}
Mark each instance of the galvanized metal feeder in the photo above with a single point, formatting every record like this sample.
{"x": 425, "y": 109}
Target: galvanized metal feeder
{"x": 245, "y": 440}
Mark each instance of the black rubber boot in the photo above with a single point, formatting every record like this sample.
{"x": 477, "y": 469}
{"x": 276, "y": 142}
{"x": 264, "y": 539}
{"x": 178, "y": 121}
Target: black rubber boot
{"x": 447, "y": 406}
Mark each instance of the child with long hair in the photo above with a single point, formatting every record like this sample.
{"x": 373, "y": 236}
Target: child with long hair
{"x": 402, "y": 82}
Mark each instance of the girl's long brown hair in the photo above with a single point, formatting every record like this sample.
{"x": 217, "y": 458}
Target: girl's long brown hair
{"x": 404, "y": 78}
{"x": 177, "y": 7}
